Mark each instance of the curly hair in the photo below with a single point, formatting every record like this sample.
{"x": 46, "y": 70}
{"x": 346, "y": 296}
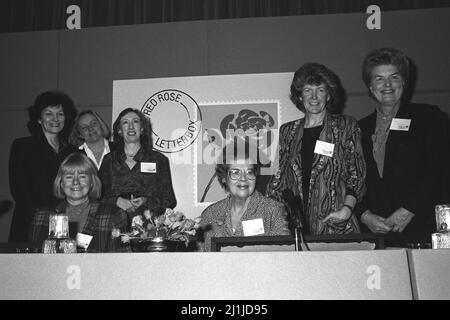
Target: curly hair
{"x": 52, "y": 98}
{"x": 385, "y": 56}
{"x": 77, "y": 161}
{"x": 226, "y": 158}
{"x": 146, "y": 136}
{"x": 76, "y": 137}
{"x": 317, "y": 74}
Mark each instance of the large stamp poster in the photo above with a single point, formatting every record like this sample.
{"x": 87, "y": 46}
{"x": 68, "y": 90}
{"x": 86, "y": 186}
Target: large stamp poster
{"x": 193, "y": 118}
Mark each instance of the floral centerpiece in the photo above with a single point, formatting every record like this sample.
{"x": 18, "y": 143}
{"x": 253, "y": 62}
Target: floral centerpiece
{"x": 171, "y": 226}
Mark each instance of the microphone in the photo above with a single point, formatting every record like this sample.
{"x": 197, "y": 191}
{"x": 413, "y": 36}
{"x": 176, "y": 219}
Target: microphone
{"x": 295, "y": 207}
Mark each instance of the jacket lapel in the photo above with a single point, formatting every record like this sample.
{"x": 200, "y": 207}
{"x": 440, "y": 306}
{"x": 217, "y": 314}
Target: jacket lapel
{"x": 367, "y": 143}
{"x": 89, "y": 226}
{"x": 319, "y": 161}
{"x": 393, "y": 140}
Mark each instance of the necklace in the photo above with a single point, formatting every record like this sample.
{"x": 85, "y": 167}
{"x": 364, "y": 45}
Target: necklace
{"x": 131, "y": 154}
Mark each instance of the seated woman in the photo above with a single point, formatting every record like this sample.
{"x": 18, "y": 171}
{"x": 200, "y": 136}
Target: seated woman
{"x": 80, "y": 187}
{"x": 245, "y": 211}
{"x": 90, "y": 134}
{"x": 135, "y": 177}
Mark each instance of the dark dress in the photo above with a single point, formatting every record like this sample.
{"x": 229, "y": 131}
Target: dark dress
{"x": 415, "y": 169}
{"x": 121, "y": 181}
{"x": 33, "y": 165}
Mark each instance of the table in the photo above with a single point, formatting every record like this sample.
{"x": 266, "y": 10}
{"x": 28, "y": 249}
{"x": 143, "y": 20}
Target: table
{"x": 371, "y": 274}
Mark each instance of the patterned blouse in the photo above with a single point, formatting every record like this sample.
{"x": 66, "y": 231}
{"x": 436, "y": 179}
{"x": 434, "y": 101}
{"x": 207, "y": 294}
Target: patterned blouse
{"x": 332, "y": 178}
{"x": 216, "y": 219}
{"x": 121, "y": 181}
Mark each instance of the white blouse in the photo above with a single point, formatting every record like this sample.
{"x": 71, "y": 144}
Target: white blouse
{"x": 90, "y": 154}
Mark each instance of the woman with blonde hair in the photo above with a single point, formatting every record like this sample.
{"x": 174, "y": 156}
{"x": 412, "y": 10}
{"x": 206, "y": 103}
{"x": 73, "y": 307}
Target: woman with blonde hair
{"x": 91, "y": 134}
{"x": 78, "y": 184}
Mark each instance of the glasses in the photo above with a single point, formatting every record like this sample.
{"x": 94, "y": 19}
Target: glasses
{"x": 236, "y": 174}
{"x": 92, "y": 125}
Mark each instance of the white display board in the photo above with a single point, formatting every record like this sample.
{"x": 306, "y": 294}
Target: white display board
{"x": 194, "y": 117}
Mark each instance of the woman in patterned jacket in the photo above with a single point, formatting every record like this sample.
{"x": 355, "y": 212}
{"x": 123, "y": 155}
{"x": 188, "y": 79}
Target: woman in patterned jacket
{"x": 78, "y": 184}
{"x": 321, "y": 164}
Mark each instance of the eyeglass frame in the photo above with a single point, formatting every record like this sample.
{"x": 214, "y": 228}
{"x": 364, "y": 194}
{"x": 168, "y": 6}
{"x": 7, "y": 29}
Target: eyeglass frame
{"x": 87, "y": 128}
{"x": 241, "y": 172}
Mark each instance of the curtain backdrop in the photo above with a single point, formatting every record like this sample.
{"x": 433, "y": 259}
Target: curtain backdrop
{"x": 35, "y": 15}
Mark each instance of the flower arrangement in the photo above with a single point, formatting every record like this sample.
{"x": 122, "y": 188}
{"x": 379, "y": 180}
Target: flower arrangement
{"x": 172, "y": 225}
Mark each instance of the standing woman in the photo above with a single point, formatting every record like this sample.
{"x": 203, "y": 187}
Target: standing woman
{"x": 90, "y": 134}
{"x": 135, "y": 177}
{"x": 34, "y": 160}
{"x": 406, "y": 150}
{"x": 321, "y": 168}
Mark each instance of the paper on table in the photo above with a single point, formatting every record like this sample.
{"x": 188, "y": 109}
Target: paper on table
{"x": 315, "y": 246}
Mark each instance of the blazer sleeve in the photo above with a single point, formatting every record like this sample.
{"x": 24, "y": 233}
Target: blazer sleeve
{"x": 206, "y": 226}
{"x": 354, "y": 162}
{"x": 280, "y": 180}
{"x": 39, "y": 226}
{"x": 19, "y": 176}
{"x": 427, "y": 191}
{"x": 165, "y": 197}
{"x": 105, "y": 173}
{"x": 278, "y": 223}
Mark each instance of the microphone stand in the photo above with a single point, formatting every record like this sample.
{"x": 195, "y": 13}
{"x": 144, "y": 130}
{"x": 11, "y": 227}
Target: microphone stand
{"x": 295, "y": 206}
{"x": 297, "y": 246}
{"x": 300, "y": 240}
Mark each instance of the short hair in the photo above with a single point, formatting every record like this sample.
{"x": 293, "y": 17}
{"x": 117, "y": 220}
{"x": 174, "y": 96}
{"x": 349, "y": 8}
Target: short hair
{"x": 146, "y": 136}
{"x": 385, "y": 56}
{"x": 316, "y": 74}
{"x": 73, "y": 162}
{"x": 223, "y": 162}
{"x": 76, "y": 137}
{"x": 52, "y": 98}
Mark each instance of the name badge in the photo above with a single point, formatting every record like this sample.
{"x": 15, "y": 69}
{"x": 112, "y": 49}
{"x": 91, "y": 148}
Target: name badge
{"x": 148, "y": 167}
{"x": 253, "y": 227}
{"x": 324, "y": 148}
{"x": 83, "y": 240}
{"x": 400, "y": 124}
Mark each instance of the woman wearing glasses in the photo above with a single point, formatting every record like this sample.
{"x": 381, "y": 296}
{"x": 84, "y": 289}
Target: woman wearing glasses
{"x": 245, "y": 211}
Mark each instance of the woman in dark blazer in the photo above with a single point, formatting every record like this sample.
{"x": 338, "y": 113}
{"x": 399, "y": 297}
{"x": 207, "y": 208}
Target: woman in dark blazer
{"x": 34, "y": 160}
{"x": 406, "y": 148}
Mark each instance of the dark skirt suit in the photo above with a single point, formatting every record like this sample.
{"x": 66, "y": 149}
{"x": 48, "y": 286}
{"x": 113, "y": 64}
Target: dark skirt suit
{"x": 33, "y": 165}
{"x": 415, "y": 171}
{"x": 101, "y": 219}
{"x": 120, "y": 181}
{"x": 216, "y": 219}
{"x": 331, "y": 179}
